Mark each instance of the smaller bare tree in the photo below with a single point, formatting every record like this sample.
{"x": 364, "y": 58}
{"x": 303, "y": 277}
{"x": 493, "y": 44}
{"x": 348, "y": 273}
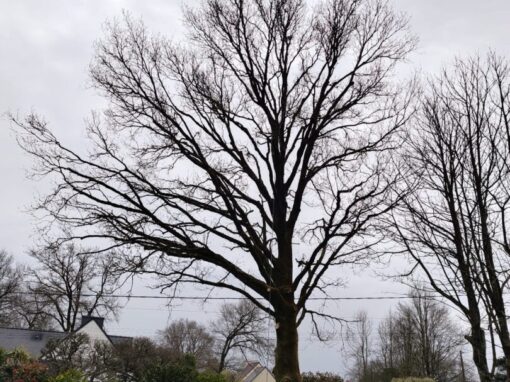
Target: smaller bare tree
{"x": 10, "y": 284}
{"x": 187, "y": 337}
{"x": 241, "y": 329}
{"x": 31, "y": 311}
{"x": 360, "y": 345}
{"x": 72, "y": 282}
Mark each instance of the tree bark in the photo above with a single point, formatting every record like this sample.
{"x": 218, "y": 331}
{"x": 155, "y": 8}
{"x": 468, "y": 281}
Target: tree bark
{"x": 287, "y": 342}
{"x": 477, "y": 341}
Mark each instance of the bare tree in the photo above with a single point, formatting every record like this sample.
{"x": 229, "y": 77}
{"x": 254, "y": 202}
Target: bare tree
{"x": 31, "y": 310}
{"x": 18, "y": 306}
{"x": 420, "y": 339}
{"x": 187, "y": 337}
{"x": 71, "y": 282}
{"x": 96, "y": 359}
{"x": 10, "y": 285}
{"x": 361, "y": 346}
{"x": 437, "y": 339}
{"x": 454, "y": 222}
{"x": 387, "y": 340}
{"x": 255, "y": 159}
{"x": 241, "y": 328}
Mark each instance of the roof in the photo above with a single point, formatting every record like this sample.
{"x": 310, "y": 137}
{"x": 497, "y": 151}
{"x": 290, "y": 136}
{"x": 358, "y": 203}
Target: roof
{"x": 90, "y": 325}
{"x": 33, "y": 341}
{"x": 251, "y": 371}
{"x": 119, "y": 339}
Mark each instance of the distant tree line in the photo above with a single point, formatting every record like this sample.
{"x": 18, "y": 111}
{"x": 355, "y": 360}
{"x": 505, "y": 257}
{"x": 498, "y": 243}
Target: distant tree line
{"x": 418, "y": 339}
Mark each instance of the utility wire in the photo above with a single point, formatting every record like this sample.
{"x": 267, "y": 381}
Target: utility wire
{"x": 225, "y": 298}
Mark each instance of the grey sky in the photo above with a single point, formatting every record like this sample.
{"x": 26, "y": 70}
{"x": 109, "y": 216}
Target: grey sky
{"x": 46, "y": 47}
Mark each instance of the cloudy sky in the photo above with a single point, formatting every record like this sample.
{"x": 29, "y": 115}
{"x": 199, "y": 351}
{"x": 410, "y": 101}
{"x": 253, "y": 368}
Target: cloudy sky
{"x": 45, "y": 50}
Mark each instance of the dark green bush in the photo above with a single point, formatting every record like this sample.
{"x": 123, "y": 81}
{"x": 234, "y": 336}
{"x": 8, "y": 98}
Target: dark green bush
{"x": 71, "y": 375}
{"x": 178, "y": 371}
{"x": 209, "y": 376}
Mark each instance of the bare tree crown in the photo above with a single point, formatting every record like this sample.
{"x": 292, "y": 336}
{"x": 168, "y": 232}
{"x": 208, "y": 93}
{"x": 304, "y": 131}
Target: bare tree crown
{"x": 258, "y": 149}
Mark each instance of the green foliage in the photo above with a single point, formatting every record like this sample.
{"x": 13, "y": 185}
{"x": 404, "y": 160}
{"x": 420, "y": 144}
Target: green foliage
{"x": 321, "y": 377}
{"x": 18, "y": 366}
{"x": 383, "y": 374}
{"x": 210, "y": 376}
{"x": 133, "y": 357}
{"x": 71, "y": 375}
{"x": 178, "y": 371}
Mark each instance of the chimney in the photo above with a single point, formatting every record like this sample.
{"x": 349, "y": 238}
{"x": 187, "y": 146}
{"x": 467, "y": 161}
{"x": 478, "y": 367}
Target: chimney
{"x": 86, "y": 319}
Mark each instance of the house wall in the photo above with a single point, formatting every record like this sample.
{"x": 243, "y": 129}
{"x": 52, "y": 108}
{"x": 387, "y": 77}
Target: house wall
{"x": 264, "y": 376}
{"x": 94, "y": 332}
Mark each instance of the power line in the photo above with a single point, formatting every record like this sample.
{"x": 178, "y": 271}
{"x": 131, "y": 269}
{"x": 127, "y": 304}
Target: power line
{"x": 233, "y": 298}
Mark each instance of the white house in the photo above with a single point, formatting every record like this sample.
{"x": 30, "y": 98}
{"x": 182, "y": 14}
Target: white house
{"x": 255, "y": 372}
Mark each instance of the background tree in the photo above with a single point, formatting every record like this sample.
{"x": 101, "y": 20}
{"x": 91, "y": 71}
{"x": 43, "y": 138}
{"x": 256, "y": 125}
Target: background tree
{"x": 19, "y": 307}
{"x": 71, "y": 282}
{"x": 11, "y": 280}
{"x": 387, "y": 338}
{"x": 241, "y": 328}
{"x": 183, "y": 370}
{"x": 30, "y": 310}
{"x": 255, "y": 159}
{"x": 133, "y": 357}
{"x": 68, "y": 353}
{"x": 360, "y": 345}
{"x": 186, "y": 337}
{"x": 76, "y": 351}
{"x": 421, "y": 338}
{"x": 454, "y": 221}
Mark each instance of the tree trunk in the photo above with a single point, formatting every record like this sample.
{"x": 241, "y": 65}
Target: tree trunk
{"x": 504, "y": 338}
{"x": 477, "y": 341}
{"x": 286, "y": 367}
{"x": 223, "y": 357}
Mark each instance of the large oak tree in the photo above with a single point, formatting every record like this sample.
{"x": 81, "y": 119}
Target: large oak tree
{"x": 251, "y": 157}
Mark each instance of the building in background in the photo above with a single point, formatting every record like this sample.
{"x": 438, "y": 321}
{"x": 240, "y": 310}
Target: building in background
{"x": 34, "y": 341}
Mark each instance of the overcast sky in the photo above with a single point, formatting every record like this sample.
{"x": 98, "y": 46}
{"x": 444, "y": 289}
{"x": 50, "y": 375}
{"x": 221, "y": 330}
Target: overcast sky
{"x": 46, "y": 47}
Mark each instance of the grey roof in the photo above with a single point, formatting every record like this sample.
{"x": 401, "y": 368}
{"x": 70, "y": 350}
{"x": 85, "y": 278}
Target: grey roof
{"x": 247, "y": 369}
{"x": 119, "y": 339}
{"x": 33, "y": 341}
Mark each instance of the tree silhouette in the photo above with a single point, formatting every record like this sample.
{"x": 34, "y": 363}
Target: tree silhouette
{"x": 255, "y": 158}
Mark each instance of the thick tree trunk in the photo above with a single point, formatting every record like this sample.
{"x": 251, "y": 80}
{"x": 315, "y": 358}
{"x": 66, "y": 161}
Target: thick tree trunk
{"x": 477, "y": 337}
{"x": 479, "y": 346}
{"x": 286, "y": 355}
{"x": 496, "y": 292}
